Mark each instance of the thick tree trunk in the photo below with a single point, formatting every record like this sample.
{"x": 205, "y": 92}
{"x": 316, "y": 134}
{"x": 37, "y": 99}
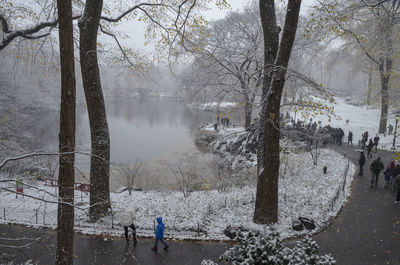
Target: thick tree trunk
{"x": 266, "y": 208}
{"x": 271, "y": 42}
{"x": 369, "y": 91}
{"x": 385, "y": 78}
{"x": 100, "y": 159}
{"x": 66, "y": 177}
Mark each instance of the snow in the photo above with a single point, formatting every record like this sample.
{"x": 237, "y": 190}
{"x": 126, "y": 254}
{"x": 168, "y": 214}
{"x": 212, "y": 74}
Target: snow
{"x": 214, "y": 105}
{"x": 361, "y": 119}
{"x": 303, "y": 191}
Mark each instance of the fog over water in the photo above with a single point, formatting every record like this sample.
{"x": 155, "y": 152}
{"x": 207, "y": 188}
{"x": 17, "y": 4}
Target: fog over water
{"x": 140, "y": 128}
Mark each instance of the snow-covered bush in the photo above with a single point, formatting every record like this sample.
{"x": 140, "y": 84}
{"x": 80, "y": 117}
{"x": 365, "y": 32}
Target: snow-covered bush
{"x": 267, "y": 248}
{"x": 208, "y": 262}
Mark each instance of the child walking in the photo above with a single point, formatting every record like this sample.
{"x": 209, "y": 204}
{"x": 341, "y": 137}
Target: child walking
{"x": 160, "y": 234}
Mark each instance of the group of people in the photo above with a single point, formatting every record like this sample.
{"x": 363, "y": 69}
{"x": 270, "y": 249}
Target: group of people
{"x": 337, "y": 135}
{"x": 372, "y": 145}
{"x": 127, "y": 219}
{"x": 224, "y": 121}
{"x": 391, "y": 174}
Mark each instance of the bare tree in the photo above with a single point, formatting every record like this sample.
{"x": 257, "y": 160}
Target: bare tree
{"x": 372, "y": 28}
{"x": 130, "y": 174}
{"x": 266, "y": 208}
{"x": 100, "y": 137}
{"x": 230, "y": 55}
{"x": 66, "y": 176}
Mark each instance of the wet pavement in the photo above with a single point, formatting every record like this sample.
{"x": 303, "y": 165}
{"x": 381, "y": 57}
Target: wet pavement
{"x": 367, "y": 230}
{"x": 97, "y": 250}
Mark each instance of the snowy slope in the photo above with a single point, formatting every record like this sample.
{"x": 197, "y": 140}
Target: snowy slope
{"x": 303, "y": 191}
{"x": 361, "y": 119}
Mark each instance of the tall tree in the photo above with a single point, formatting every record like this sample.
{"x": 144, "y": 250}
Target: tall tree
{"x": 66, "y": 176}
{"x": 372, "y": 27}
{"x": 266, "y": 208}
{"x": 100, "y": 138}
{"x": 234, "y": 47}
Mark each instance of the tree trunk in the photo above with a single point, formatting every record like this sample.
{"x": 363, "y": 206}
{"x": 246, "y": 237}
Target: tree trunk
{"x": 369, "y": 91}
{"x": 248, "y": 109}
{"x": 100, "y": 159}
{"x": 266, "y": 208}
{"x": 271, "y": 42}
{"x": 385, "y": 78}
{"x": 66, "y": 177}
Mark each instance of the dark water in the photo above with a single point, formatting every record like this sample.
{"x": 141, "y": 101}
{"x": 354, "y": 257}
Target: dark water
{"x": 140, "y": 128}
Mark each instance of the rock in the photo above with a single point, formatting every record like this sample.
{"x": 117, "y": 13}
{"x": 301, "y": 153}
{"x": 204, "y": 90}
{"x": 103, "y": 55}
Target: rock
{"x": 297, "y": 225}
{"x": 230, "y": 232}
{"x": 309, "y": 224}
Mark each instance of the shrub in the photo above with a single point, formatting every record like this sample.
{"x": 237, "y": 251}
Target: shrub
{"x": 267, "y": 249}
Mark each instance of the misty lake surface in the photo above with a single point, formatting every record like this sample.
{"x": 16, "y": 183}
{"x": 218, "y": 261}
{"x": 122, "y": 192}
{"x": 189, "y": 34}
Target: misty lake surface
{"x": 140, "y": 128}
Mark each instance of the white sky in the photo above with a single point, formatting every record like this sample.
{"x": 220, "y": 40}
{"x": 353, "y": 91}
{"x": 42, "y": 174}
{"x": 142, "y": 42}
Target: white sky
{"x": 135, "y": 30}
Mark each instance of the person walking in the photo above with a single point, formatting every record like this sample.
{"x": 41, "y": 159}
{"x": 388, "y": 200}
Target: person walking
{"x": 364, "y": 139}
{"x": 350, "y": 138}
{"x": 390, "y": 128}
{"x": 127, "y": 218}
{"x": 369, "y": 148}
{"x": 388, "y": 174}
{"x": 376, "y": 141}
{"x": 361, "y": 162}
{"x": 376, "y": 167}
{"x": 397, "y": 189}
{"x": 396, "y": 172}
{"x": 160, "y": 234}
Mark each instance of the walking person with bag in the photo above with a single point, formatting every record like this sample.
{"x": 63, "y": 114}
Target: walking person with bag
{"x": 127, "y": 218}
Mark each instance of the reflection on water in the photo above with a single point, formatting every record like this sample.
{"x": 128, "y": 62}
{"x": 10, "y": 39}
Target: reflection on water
{"x": 140, "y": 128}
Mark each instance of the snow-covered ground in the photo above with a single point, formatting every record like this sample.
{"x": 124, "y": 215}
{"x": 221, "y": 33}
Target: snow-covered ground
{"x": 303, "y": 191}
{"x": 213, "y": 105}
{"x": 361, "y": 119}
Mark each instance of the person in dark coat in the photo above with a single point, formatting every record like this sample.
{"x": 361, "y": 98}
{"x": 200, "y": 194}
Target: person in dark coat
{"x": 390, "y": 128}
{"x": 376, "y": 167}
{"x": 364, "y": 139}
{"x": 159, "y": 234}
{"x": 361, "y": 163}
{"x": 369, "y": 148}
{"x": 350, "y": 138}
{"x": 387, "y": 174}
{"x": 340, "y": 136}
{"x": 397, "y": 189}
{"x": 396, "y": 172}
{"x": 376, "y": 141}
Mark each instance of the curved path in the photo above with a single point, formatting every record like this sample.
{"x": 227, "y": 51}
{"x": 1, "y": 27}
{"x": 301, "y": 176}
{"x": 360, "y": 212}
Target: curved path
{"x": 367, "y": 230}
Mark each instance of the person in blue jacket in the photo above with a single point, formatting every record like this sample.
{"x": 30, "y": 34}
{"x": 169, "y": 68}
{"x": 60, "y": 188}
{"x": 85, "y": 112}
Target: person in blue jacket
{"x": 160, "y": 234}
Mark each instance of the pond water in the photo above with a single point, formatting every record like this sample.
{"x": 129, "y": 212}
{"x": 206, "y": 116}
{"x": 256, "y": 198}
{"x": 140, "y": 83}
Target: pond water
{"x": 140, "y": 128}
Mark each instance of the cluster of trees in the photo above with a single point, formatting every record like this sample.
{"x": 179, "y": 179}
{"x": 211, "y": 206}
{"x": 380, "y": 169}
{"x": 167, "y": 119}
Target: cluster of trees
{"x": 368, "y": 31}
{"x": 247, "y": 54}
{"x": 168, "y": 21}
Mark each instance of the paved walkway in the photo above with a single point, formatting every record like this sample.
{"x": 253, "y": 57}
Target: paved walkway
{"x": 95, "y": 250}
{"x": 367, "y": 230}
